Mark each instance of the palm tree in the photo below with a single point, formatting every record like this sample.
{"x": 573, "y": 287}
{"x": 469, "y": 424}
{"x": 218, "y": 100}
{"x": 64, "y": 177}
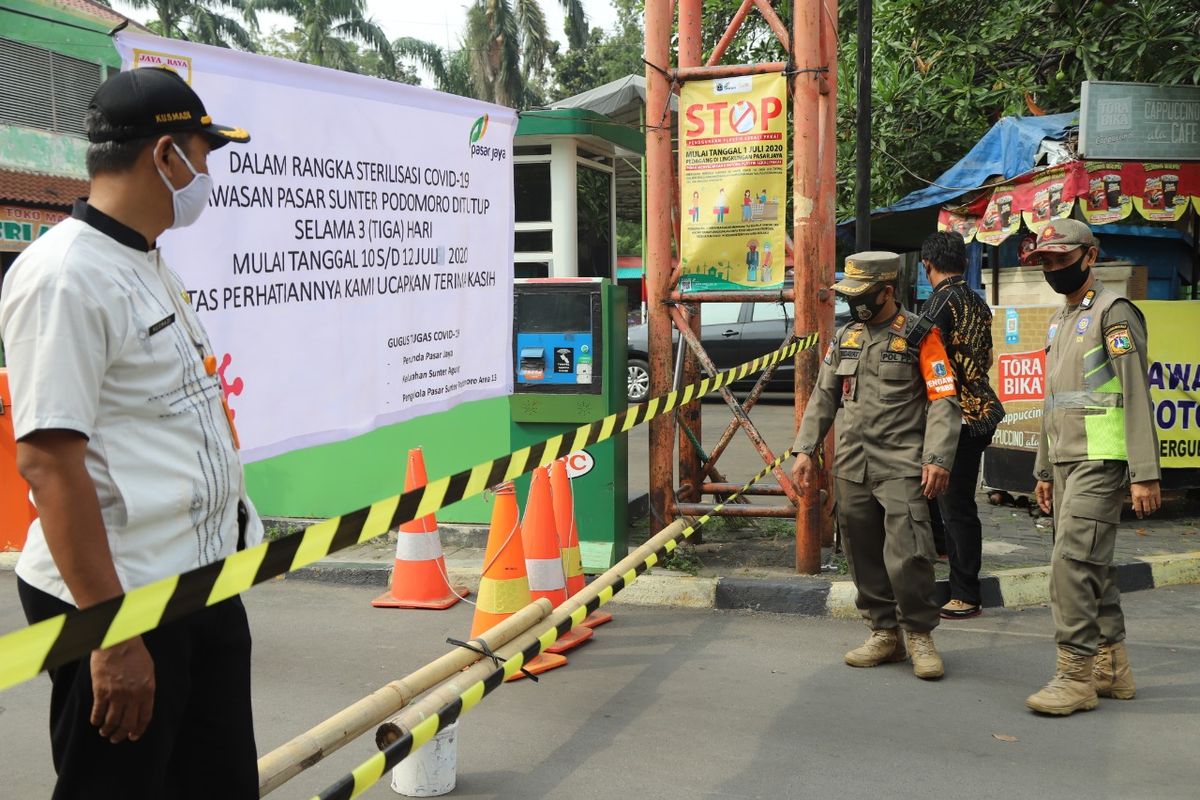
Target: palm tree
{"x": 451, "y": 71}
{"x": 328, "y": 29}
{"x": 504, "y": 47}
{"x": 199, "y": 21}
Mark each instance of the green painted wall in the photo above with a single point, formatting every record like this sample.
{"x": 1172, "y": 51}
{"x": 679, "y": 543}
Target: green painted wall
{"x": 89, "y": 45}
{"x": 335, "y": 478}
{"x": 34, "y": 150}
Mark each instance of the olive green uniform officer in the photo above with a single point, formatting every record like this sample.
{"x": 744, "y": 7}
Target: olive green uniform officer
{"x": 1097, "y": 436}
{"x": 889, "y": 374}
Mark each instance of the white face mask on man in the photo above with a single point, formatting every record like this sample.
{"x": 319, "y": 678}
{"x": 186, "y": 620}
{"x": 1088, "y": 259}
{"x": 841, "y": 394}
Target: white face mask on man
{"x": 188, "y": 203}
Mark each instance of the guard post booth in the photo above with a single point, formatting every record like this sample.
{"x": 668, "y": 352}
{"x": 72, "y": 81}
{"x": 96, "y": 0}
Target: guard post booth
{"x": 569, "y": 353}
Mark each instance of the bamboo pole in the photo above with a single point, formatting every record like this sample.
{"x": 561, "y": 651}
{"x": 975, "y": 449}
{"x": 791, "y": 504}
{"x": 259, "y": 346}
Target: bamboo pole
{"x": 604, "y": 585}
{"x": 309, "y": 748}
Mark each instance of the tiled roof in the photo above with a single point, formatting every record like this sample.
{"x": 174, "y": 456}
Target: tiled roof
{"x": 35, "y": 188}
{"x": 90, "y": 9}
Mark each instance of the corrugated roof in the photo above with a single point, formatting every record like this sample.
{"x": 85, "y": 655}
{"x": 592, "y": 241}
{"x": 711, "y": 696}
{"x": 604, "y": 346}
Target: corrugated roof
{"x": 38, "y": 189}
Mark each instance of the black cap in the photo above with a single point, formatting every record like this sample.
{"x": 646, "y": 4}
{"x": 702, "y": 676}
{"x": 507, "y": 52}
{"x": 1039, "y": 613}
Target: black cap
{"x": 151, "y": 101}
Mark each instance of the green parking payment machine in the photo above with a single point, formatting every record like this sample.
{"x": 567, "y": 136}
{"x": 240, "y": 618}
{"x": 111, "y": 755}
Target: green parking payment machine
{"x": 569, "y": 351}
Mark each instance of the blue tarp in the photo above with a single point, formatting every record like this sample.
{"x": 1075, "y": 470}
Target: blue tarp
{"x": 1008, "y": 149}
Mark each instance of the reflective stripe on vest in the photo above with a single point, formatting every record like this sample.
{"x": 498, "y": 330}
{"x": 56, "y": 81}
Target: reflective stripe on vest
{"x": 1084, "y": 400}
{"x": 1106, "y": 429}
{"x": 418, "y": 546}
{"x": 545, "y": 574}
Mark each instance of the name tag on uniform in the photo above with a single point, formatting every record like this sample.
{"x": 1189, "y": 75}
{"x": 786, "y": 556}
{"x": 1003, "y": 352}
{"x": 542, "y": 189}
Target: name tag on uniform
{"x": 162, "y": 323}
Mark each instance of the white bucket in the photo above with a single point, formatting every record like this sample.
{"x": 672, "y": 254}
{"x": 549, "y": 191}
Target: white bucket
{"x": 432, "y": 770}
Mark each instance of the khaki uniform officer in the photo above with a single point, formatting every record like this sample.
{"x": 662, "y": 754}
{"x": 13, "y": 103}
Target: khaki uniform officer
{"x": 889, "y": 373}
{"x": 1097, "y": 436}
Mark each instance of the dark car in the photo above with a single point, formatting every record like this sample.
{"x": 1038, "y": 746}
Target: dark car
{"x": 732, "y": 333}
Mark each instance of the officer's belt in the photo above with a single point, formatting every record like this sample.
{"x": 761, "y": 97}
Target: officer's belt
{"x": 1085, "y": 400}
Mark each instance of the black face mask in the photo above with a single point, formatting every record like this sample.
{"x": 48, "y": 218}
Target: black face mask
{"x": 865, "y": 306}
{"x": 1070, "y": 278}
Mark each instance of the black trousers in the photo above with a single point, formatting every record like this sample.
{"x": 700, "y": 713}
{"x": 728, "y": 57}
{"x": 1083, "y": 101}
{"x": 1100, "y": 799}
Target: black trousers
{"x": 960, "y": 516}
{"x": 200, "y": 740}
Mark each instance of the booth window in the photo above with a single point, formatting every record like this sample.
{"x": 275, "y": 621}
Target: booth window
{"x": 531, "y": 185}
{"x": 531, "y": 269}
{"x": 594, "y": 196}
{"x": 534, "y": 241}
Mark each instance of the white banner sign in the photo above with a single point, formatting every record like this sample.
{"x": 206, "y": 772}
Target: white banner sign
{"x": 354, "y": 265}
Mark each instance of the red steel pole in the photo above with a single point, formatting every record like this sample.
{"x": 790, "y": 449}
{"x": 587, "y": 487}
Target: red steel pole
{"x": 828, "y": 217}
{"x": 658, "y": 249}
{"x": 807, "y": 224}
{"x": 690, "y": 476}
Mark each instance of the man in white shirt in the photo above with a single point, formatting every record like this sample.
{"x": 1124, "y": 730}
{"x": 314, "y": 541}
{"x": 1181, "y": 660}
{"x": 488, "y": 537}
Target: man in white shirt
{"x": 128, "y": 446}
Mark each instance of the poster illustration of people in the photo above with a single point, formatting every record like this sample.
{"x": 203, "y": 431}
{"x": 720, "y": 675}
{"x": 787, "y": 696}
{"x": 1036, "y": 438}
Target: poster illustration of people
{"x": 733, "y": 183}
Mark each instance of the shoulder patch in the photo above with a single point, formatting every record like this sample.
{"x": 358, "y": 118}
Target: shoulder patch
{"x": 1117, "y": 340}
{"x": 828, "y": 354}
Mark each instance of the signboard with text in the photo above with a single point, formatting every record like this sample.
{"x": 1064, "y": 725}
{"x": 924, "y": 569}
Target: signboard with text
{"x": 1018, "y": 374}
{"x": 19, "y": 225}
{"x": 733, "y": 178}
{"x": 354, "y": 265}
{"x": 1139, "y": 121}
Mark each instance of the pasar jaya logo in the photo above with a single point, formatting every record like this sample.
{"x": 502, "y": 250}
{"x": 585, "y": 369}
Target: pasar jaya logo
{"x": 478, "y": 131}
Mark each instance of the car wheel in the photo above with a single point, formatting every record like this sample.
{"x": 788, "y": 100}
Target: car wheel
{"x": 638, "y": 386}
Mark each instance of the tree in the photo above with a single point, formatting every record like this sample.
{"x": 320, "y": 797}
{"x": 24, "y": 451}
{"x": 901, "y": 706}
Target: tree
{"x": 605, "y": 55}
{"x": 287, "y": 44}
{"x": 199, "y": 21}
{"x": 330, "y": 31}
{"x": 504, "y": 49}
{"x": 451, "y": 71}
{"x": 944, "y": 71}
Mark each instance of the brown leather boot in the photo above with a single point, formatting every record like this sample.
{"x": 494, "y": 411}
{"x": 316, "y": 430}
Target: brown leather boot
{"x": 885, "y": 645}
{"x": 1111, "y": 673}
{"x": 1070, "y": 689}
{"x": 927, "y": 664}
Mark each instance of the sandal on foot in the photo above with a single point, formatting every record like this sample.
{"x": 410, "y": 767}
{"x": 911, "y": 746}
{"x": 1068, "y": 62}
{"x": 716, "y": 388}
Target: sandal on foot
{"x": 957, "y": 609}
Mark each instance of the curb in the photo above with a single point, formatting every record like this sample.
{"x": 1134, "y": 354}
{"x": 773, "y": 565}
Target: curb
{"x": 800, "y": 595}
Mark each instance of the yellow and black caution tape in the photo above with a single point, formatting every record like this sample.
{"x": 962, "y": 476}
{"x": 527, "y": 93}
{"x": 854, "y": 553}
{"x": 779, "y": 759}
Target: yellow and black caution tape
{"x": 68, "y": 637}
{"x": 374, "y": 768}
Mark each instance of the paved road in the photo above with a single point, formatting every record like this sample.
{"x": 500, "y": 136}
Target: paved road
{"x": 776, "y": 420}
{"x": 667, "y": 703}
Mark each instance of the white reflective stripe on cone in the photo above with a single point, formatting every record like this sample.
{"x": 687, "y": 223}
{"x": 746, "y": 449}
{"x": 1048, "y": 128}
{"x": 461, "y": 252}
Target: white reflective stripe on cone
{"x": 418, "y": 546}
{"x": 545, "y": 574}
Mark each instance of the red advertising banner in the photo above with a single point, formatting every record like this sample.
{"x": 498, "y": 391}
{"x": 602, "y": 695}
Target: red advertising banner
{"x": 1106, "y": 191}
{"x": 1021, "y": 376}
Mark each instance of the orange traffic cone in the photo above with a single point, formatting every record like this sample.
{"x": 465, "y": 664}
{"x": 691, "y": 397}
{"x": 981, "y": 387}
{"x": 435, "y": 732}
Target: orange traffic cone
{"x": 568, "y": 537}
{"x": 504, "y": 585}
{"x": 543, "y": 558}
{"x": 419, "y": 577}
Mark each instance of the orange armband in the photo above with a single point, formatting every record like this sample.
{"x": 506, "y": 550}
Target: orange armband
{"x": 936, "y": 368}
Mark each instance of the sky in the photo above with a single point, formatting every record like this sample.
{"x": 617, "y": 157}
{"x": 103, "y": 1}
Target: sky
{"x": 437, "y": 21}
